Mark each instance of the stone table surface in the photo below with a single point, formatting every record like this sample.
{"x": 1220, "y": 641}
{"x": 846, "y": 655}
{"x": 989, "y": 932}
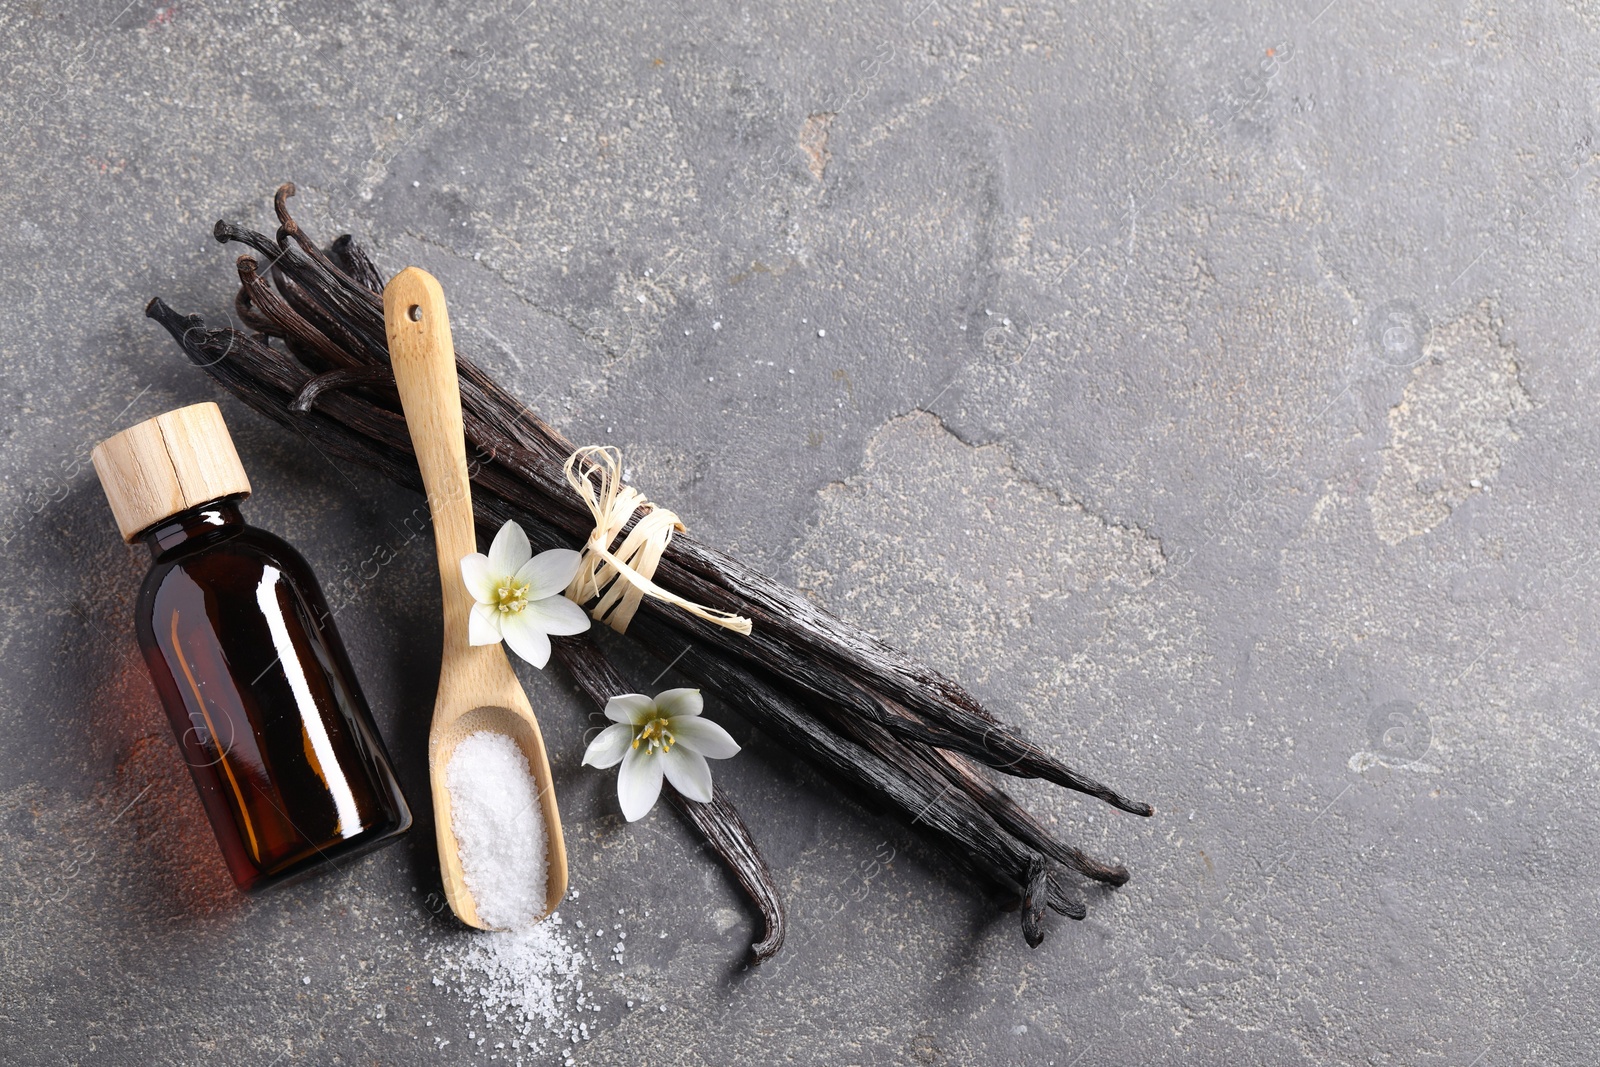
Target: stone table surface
{"x": 1209, "y": 387}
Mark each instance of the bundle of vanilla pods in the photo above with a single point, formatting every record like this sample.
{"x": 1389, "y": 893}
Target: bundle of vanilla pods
{"x": 898, "y": 736}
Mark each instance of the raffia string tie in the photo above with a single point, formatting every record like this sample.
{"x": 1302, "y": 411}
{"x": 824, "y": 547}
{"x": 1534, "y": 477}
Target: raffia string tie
{"x": 623, "y": 578}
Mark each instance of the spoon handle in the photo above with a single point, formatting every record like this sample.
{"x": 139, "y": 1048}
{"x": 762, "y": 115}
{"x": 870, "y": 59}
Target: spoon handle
{"x": 424, "y": 362}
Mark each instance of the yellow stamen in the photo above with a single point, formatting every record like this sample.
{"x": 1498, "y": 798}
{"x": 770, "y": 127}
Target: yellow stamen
{"x": 511, "y": 597}
{"x": 655, "y": 735}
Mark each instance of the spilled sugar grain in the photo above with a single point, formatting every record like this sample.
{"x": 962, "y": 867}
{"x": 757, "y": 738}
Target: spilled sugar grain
{"x": 528, "y": 986}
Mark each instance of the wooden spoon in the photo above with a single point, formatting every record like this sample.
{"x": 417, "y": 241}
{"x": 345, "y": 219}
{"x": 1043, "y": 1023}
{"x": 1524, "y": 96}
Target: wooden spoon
{"x": 477, "y": 688}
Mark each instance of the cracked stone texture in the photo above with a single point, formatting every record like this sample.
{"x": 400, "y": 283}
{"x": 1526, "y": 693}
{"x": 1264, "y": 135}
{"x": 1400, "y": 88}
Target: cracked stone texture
{"x": 1209, "y": 387}
{"x": 964, "y": 560}
{"x": 1447, "y": 432}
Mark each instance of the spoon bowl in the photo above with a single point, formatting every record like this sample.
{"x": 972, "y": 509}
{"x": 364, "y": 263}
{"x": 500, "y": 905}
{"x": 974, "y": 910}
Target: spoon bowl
{"x": 441, "y": 747}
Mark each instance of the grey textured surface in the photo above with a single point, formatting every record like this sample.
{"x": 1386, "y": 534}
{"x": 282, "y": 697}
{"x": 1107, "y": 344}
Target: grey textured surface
{"x": 1204, "y": 385}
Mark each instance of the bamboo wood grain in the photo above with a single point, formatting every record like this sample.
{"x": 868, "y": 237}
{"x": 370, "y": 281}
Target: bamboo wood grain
{"x": 477, "y": 688}
{"x": 159, "y": 467}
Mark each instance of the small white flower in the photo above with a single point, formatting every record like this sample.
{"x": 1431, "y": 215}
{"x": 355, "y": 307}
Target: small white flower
{"x": 652, "y": 738}
{"x": 519, "y": 596}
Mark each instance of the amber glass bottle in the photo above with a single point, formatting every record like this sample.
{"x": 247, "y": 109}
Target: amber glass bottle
{"x": 244, "y": 655}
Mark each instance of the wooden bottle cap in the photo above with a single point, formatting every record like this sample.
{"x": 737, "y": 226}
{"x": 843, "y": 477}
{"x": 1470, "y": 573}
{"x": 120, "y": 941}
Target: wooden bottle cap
{"x": 168, "y": 464}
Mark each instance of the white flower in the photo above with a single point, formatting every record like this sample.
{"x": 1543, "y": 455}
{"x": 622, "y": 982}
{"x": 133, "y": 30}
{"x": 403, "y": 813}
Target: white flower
{"x": 519, "y": 596}
{"x": 655, "y": 737}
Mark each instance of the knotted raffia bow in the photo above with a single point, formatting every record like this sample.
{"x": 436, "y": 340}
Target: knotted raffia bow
{"x": 622, "y": 579}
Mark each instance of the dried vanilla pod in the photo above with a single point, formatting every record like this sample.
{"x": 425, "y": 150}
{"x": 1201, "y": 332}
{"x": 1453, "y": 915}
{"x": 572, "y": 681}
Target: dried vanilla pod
{"x": 718, "y": 822}
{"x": 901, "y": 736}
{"x": 882, "y": 772}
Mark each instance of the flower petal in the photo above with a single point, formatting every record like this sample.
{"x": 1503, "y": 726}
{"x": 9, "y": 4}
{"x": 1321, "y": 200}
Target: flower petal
{"x": 635, "y": 709}
{"x": 526, "y": 638}
{"x": 549, "y": 572}
{"x": 680, "y": 702}
{"x": 556, "y": 615}
{"x": 638, "y": 783}
{"x": 480, "y": 582}
{"x": 688, "y": 772}
{"x": 705, "y": 737}
{"x": 608, "y": 749}
{"x": 483, "y": 625}
{"x": 509, "y": 551}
